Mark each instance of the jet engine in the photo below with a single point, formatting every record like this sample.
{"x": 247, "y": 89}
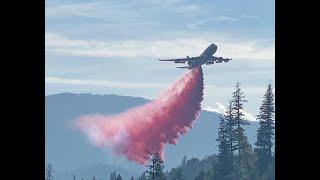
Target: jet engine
{"x": 210, "y": 61}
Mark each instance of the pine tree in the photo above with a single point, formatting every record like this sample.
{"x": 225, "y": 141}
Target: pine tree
{"x": 74, "y": 177}
{"x": 242, "y": 143}
{"x": 245, "y": 157}
{"x": 230, "y": 131}
{"x": 184, "y": 161}
{"x": 204, "y": 175}
{"x": 238, "y": 98}
{"x": 227, "y": 139}
{"x": 113, "y": 176}
{"x": 143, "y": 176}
{"x": 214, "y": 170}
{"x": 224, "y": 156}
{"x": 201, "y": 176}
{"x": 49, "y": 171}
{"x": 131, "y": 178}
{"x": 178, "y": 174}
{"x": 265, "y": 133}
{"x": 119, "y": 177}
{"x": 155, "y": 168}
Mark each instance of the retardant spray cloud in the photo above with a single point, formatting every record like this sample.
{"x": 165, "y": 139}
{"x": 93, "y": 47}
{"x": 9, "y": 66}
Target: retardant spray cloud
{"x": 150, "y": 126}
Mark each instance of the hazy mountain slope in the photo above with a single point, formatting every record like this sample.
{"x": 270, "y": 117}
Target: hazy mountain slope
{"x": 71, "y": 153}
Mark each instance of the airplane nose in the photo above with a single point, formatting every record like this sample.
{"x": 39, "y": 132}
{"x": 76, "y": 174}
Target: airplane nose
{"x": 214, "y": 47}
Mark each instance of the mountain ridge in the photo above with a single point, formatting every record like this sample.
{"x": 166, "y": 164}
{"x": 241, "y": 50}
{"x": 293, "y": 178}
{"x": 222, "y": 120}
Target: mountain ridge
{"x": 71, "y": 152}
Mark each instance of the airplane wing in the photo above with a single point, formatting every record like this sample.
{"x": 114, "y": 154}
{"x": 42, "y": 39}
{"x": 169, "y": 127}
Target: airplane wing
{"x": 221, "y": 59}
{"x": 179, "y": 60}
{"x": 217, "y": 60}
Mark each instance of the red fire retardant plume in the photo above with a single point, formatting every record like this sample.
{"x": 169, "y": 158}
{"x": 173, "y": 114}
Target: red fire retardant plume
{"x": 150, "y": 126}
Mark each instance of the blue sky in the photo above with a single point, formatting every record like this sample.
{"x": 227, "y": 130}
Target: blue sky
{"x": 112, "y": 46}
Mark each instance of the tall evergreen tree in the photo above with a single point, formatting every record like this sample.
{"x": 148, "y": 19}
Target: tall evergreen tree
{"x": 231, "y": 131}
{"x": 214, "y": 170}
{"x": 224, "y": 156}
{"x": 49, "y": 172}
{"x": 155, "y": 168}
{"x": 204, "y": 175}
{"x": 184, "y": 161}
{"x": 245, "y": 165}
{"x": 143, "y": 176}
{"x": 238, "y": 100}
{"x": 119, "y": 177}
{"x": 113, "y": 176}
{"x": 243, "y": 147}
{"x": 131, "y": 178}
{"x": 227, "y": 144}
{"x": 201, "y": 176}
{"x": 178, "y": 174}
{"x": 265, "y": 133}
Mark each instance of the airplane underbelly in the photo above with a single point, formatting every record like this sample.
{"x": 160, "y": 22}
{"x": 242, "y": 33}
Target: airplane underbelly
{"x": 196, "y": 62}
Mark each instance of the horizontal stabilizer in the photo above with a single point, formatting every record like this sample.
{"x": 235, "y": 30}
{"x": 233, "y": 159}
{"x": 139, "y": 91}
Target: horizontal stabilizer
{"x": 183, "y": 67}
{"x": 167, "y": 59}
{"x": 179, "y": 61}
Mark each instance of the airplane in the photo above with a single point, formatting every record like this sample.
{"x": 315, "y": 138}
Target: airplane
{"x": 205, "y": 58}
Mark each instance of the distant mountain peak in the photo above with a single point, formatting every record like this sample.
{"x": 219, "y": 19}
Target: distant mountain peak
{"x": 221, "y": 110}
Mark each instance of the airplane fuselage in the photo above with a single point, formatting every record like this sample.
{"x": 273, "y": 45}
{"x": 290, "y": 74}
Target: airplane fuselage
{"x": 206, "y": 57}
{"x": 209, "y": 51}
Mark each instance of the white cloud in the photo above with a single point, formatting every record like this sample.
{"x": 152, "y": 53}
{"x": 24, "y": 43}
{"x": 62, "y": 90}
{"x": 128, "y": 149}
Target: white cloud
{"x": 113, "y": 10}
{"x": 248, "y": 116}
{"x": 177, "y": 5}
{"x": 225, "y": 18}
{"x": 160, "y": 2}
{"x": 80, "y": 9}
{"x": 128, "y": 85}
{"x": 180, "y": 47}
{"x": 244, "y": 16}
{"x": 221, "y": 109}
{"x": 190, "y": 8}
{"x": 218, "y": 108}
